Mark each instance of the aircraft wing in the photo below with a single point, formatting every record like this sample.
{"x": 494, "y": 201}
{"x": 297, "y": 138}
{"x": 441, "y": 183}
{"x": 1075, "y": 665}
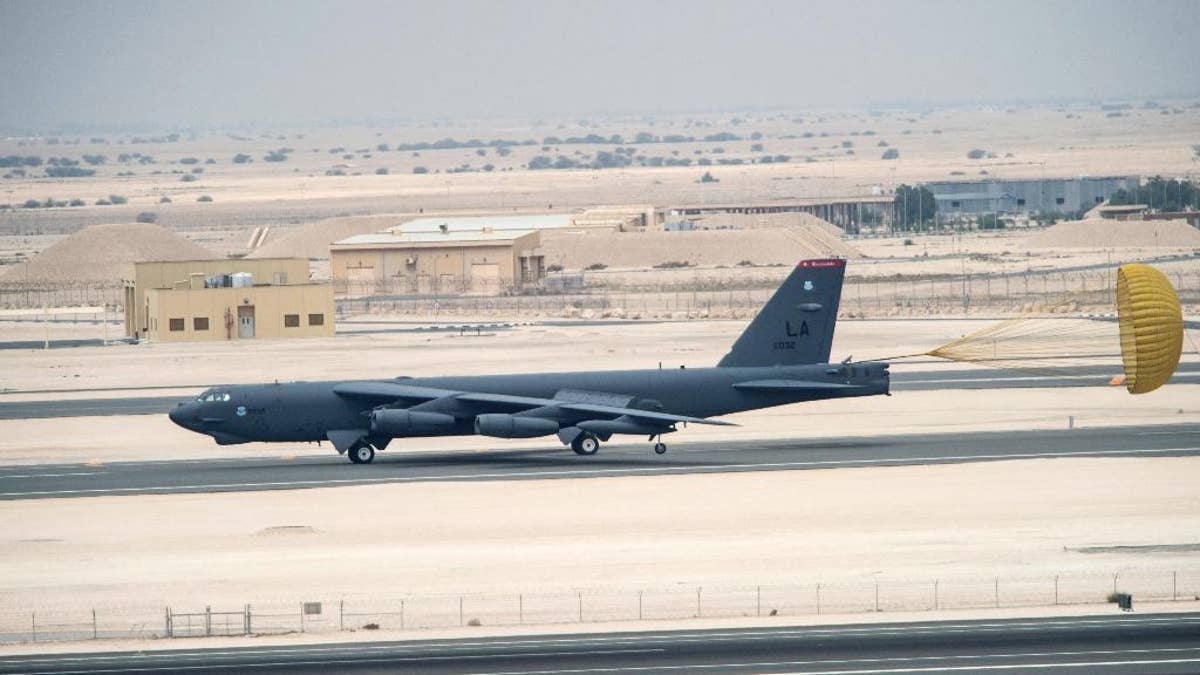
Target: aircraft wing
{"x": 387, "y": 392}
{"x": 615, "y": 411}
{"x": 792, "y": 385}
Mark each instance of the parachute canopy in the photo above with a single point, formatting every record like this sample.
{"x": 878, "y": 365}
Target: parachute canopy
{"x": 1148, "y": 332}
{"x": 1151, "y": 327}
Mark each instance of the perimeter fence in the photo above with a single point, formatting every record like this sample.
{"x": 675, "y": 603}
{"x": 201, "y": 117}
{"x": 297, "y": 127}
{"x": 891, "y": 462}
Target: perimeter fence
{"x": 864, "y": 297}
{"x": 682, "y": 602}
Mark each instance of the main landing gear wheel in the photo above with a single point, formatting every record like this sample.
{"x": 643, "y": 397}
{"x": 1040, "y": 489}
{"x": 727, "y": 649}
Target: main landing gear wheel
{"x": 660, "y": 448}
{"x": 585, "y": 444}
{"x": 361, "y": 454}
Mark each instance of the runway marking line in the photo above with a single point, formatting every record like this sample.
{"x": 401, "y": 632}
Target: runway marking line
{"x": 698, "y": 468}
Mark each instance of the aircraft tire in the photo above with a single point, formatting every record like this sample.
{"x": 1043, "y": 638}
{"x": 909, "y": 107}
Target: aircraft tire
{"x": 660, "y": 448}
{"x": 362, "y": 453}
{"x": 585, "y": 444}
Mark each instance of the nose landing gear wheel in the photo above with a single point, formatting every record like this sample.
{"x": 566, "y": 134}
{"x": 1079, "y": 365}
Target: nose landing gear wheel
{"x": 361, "y": 454}
{"x": 660, "y": 448}
{"x": 585, "y": 444}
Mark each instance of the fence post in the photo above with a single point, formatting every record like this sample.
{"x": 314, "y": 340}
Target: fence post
{"x": 579, "y": 594}
{"x": 758, "y": 601}
{"x": 818, "y": 598}
{"x": 208, "y": 620}
{"x": 94, "y": 631}
{"x": 246, "y": 626}
{"x": 935, "y": 594}
{"x": 460, "y": 610}
{"x": 520, "y": 608}
{"x": 1174, "y": 585}
{"x": 699, "y": 611}
{"x": 341, "y": 614}
{"x": 876, "y": 596}
{"x": 33, "y": 625}
{"x": 639, "y": 605}
{"x": 997, "y": 592}
{"x": 170, "y": 630}
{"x": 1056, "y": 589}
{"x": 401, "y": 615}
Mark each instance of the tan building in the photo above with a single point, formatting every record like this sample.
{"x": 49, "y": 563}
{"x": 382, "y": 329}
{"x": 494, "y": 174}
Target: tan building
{"x": 226, "y": 299}
{"x": 442, "y": 261}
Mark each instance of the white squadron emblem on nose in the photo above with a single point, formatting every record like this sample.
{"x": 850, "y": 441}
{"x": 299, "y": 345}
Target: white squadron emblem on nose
{"x": 808, "y": 285}
{"x": 241, "y": 411}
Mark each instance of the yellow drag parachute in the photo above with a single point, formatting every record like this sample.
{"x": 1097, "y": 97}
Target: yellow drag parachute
{"x": 1149, "y": 331}
{"x": 1151, "y": 327}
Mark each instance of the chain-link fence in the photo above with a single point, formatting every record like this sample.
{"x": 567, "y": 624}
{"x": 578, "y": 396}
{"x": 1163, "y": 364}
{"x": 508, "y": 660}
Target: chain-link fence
{"x": 429, "y": 611}
{"x": 864, "y": 297}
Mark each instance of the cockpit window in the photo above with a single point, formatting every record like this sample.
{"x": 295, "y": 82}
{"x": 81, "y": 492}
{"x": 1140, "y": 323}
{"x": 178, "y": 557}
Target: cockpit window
{"x": 213, "y": 396}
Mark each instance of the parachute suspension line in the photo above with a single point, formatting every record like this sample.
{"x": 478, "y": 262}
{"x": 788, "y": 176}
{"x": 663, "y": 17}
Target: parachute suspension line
{"x": 1147, "y": 337}
{"x": 1040, "y": 345}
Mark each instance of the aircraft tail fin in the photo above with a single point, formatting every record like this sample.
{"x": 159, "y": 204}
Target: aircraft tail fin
{"x": 796, "y": 325}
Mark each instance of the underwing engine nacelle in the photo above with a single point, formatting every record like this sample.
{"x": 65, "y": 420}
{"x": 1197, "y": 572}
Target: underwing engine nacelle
{"x": 400, "y": 422}
{"x": 510, "y": 426}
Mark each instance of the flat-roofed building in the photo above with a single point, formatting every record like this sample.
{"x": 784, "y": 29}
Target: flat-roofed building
{"x": 226, "y": 299}
{"x": 442, "y": 260}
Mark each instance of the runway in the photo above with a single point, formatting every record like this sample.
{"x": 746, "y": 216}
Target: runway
{"x": 614, "y": 460}
{"x": 1121, "y": 643}
{"x": 1085, "y": 376}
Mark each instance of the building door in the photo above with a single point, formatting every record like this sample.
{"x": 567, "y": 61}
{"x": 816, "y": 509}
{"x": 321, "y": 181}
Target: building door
{"x": 485, "y": 277}
{"x": 246, "y": 321}
{"x": 360, "y": 281}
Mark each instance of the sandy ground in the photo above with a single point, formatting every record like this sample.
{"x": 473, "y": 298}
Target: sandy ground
{"x": 896, "y": 525}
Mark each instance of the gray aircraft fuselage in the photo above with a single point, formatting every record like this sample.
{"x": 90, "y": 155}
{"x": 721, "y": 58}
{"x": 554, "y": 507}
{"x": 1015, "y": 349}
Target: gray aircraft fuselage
{"x": 781, "y": 357}
{"x": 306, "y": 411}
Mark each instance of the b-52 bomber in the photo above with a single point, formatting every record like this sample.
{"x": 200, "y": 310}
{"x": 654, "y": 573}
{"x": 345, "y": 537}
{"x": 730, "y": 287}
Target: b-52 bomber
{"x": 782, "y": 357}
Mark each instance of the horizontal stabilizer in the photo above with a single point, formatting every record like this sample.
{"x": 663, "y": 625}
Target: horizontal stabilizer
{"x": 793, "y": 385}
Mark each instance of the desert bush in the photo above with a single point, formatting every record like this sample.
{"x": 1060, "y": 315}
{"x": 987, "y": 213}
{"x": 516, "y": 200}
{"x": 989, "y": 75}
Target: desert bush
{"x": 189, "y": 160}
{"x": 672, "y": 265}
{"x": 242, "y": 158}
{"x": 204, "y": 198}
{"x": 420, "y": 169}
{"x": 891, "y": 153}
{"x": 118, "y": 199}
{"x": 976, "y": 153}
{"x": 381, "y": 171}
{"x": 594, "y": 267}
{"x": 147, "y": 217}
{"x": 188, "y": 178}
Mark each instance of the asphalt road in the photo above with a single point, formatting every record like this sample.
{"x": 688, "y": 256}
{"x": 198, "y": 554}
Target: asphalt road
{"x": 1120, "y": 643}
{"x": 618, "y": 459}
{"x": 1084, "y": 376}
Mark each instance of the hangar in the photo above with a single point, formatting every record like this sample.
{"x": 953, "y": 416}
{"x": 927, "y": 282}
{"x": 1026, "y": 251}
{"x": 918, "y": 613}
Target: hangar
{"x": 480, "y": 254}
{"x": 226, "y": 299}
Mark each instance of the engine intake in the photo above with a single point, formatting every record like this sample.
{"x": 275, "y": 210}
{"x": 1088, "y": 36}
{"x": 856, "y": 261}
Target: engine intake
{"x": 509, "y": 426}
{"x": 401, "y": 422}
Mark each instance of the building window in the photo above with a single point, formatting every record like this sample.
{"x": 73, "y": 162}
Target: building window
{"x": 291, "y": 320}
{"x": 1020, "y": 202}
{"x": 954, "y": 205}
{"x": 176, "y": 324}
{"x": 316, "y": 319}
{"x": 200, "y": 323}
{"x": 1059, "y": 200}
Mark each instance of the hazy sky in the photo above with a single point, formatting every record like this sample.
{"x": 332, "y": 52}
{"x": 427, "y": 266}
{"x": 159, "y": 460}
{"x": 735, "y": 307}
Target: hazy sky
{"x": 198, "y": 62}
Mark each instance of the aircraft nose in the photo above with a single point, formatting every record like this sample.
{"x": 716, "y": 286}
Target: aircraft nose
{"x": 178, "y": 415}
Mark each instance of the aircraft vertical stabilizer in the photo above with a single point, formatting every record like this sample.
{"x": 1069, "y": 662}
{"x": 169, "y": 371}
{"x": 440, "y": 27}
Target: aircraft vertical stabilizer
{"x": 795, "y": 327}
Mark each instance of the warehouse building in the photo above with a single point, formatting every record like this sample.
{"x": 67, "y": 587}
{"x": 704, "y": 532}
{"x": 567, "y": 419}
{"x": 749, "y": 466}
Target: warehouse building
{"x": 226, "y": 299}
{"x": 481, "y": 255}
{"x": 1050, "y": 195}
{"x": 454, "y": 261}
